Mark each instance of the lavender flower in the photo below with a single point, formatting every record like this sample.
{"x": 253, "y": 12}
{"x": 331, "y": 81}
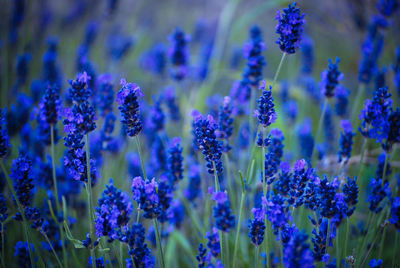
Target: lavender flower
{"x": 157, "y": 116}
{"x": 164, "y": 193}
{"x": 99, "y": 262}
{"x": 326, "y": 197}
{"x": 381, "y": 166}
{"x": 224, "y": 220}
{"x": 193, "y": 189}
{"x": 50, "y": 106}
{"x": 113, "y": 212}
{"x": 346, "y": 142}
{"x": 3, "y": 209}
{"x": 307, "y": 53}
{"x": 297, "y": 252}
{"x": 393, "y": 134}
{"x": 350, "y": 191}
{"x": 127, "y": 98}
{"x": 202, "y": 258}
{"x": 51, "y": 73}
{"x": 21, "y": 173}
{"x": 257, "y": 227}
{"x": 395, "y": 213}
{"x": 284, "y": 177}
{"x": 225, "y": 124}
{"x": 301, "y": 175}
{"x": 175, "y": 161}
{"x": 4, "y": 138}
{"x": 290, "y": 28}
{"x": 342, "y": 100}
{"x": 105, "y": 94}
{"x": 178, "y": 53}
{"x": 138, "y": 249}
{"x": 213, "y": 242}
{"x": 306, "y": 140}
{"x": 145, "y": 194}
{"x": 172, "y": 103}
{"x": 22, "y": 254}
{"x": 387, "y": 7}
{"x": 274, "y": 155}
{"x": 252, "y": 73}
{"x": 376, "y": 114}
{"x": 206, "y": 139}
{"x": 330, "y": 79}
{"x": 277, "y": 211}
{"x": 378, "y": 192}
{"x": 265, "y": 113}
{"x": 374, "y": 263}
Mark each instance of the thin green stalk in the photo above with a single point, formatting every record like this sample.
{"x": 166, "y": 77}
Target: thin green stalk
{"x": 321, "y": 119}
{"x": 2, "y": 245}
{"x": 10, "y": 185}
{"x": 256, "y": 257}
{"x": 396, "y": 243}
{"x": 93, "y": 255}
{"x": 383, "y": 237}
{"x": 238, "y": 229}
{"x": 253, "y": 100}
{"x": 230, "y": 181}
{"x": 121, "y": 255}
{"x": 138, "y": 215}
{"x": 89, "y": 197}
{"x": 53, "y": 155}
{"x": 141, "y": 156}
{"x": 263, "y": 163}
{"x": 369, "y": 251}
{"x": 384, "y": 169}
{"x": 360, "y": 91}
{"x": 159, "y": 246}
{"x": 361, "y": 165}
{"x": 217, "y": 188}
{"x": 346, "y": 237}
{"x": 52, "y": 248}
{"x": 328, "y": 233}
{"x": 337, "y": 251}
{"x": 279, "y": 69}
{"x": 226, "y": 240}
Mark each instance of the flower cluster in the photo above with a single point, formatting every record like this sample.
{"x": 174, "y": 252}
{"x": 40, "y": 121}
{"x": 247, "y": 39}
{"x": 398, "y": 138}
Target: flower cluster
{"x": 297, "y": 252}
{"x": 145, "y": 194}
{"x": 274, "y": 155}
{"x": 346, "y": 142}
{"x": 175, "y": 160}
{"x": 4, "y": 138}
{"x": 252, "y": 73}
{"x": 265, "y": 113}
{"x": 257, "y": 226}
{"x": 224, "y": 220}
{"x": 21, "y": 173}
{"x": 289, "y": 28}
{"x": 113, "y": 212}
{"x": 213, "y": 242}
{"x": 127, "y": 98}
{"x": 225, "y": 123}
{"x": 178, "y": 53}
{"x": 330, "y": 79}
{"x": 205, "y": 134}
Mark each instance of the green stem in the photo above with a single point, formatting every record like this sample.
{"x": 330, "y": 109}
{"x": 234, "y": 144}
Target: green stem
{"x": 361, "y": 165}
{"x": 321, "y": 119}
{"x": 328, "y": 233}
{"x": 226, "y": 240}
{"x": 230, "y": 181}
{"x": 53, "y": 155}
{"x": 382, "y": 245}
{"x": 89, "y": 197}
{"x": 265, "y": 194}
{"x": 256, "y": 257}
{"x": 360, "y": 91}
{"x": 93, "y": 255}
{"x": 25, "y": 222}
{"x": 121, "y": 255}
{"x": 279, "y": 69}
{"x": 138, "y": 215}
{"x": 52, "y": 248}
{"x": 2, "y": 245}
{"x": 238, "y": 229}
{"x": 159, "y": 246}
{"x": 346, "y": 237}
{"x": 384, "y": 169}
{"x": 141, "y": 156}
{"x": 217, "y": 188}
{"x": 396, "y": 243}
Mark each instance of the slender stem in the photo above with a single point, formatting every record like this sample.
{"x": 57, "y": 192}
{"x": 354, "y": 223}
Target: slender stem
{"x": 396, "y": 243}
{"x": 360, "y": 165}
{"x": 93, "y": 255}
{"x": 382, "y": 244}
{"x": 337, "y": 251}
{"x": 328, "y": 233}
{"x": 121, "y": 255}
{"x": 141, "y": 156}
{"x": 21, "y": 210}
{"x": 238, "y": 229}
{"x": 52, "y": 248}
{"x": 360, "y": 92}
{"x": 159, "y": 246}
{"x": 346, "y": 237}
{"x": 256, "y": 257}
{"x": 138, "y": 214}
{"x": 279, "y": 69}
{"x": 321, "y": 119}
{"x": 253, "y": 100}
{"x": 384, "y": 168}
{"x": 89, "y": 197}
{"x": 369, "y": 251}
{"x": 265, "y": 195}
{"x": 226, "y": 240}
{"x": 230, "y": 181}
{"x": 2, "y": 245}
{"x": 217, "y": 188}
{"x": 53, "y": 155}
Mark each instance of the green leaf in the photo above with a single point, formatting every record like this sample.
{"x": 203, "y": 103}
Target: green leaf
{"x": 251, "y": 172}
{"x": 242, "y": 181}
{"x": 77, "y": 243}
